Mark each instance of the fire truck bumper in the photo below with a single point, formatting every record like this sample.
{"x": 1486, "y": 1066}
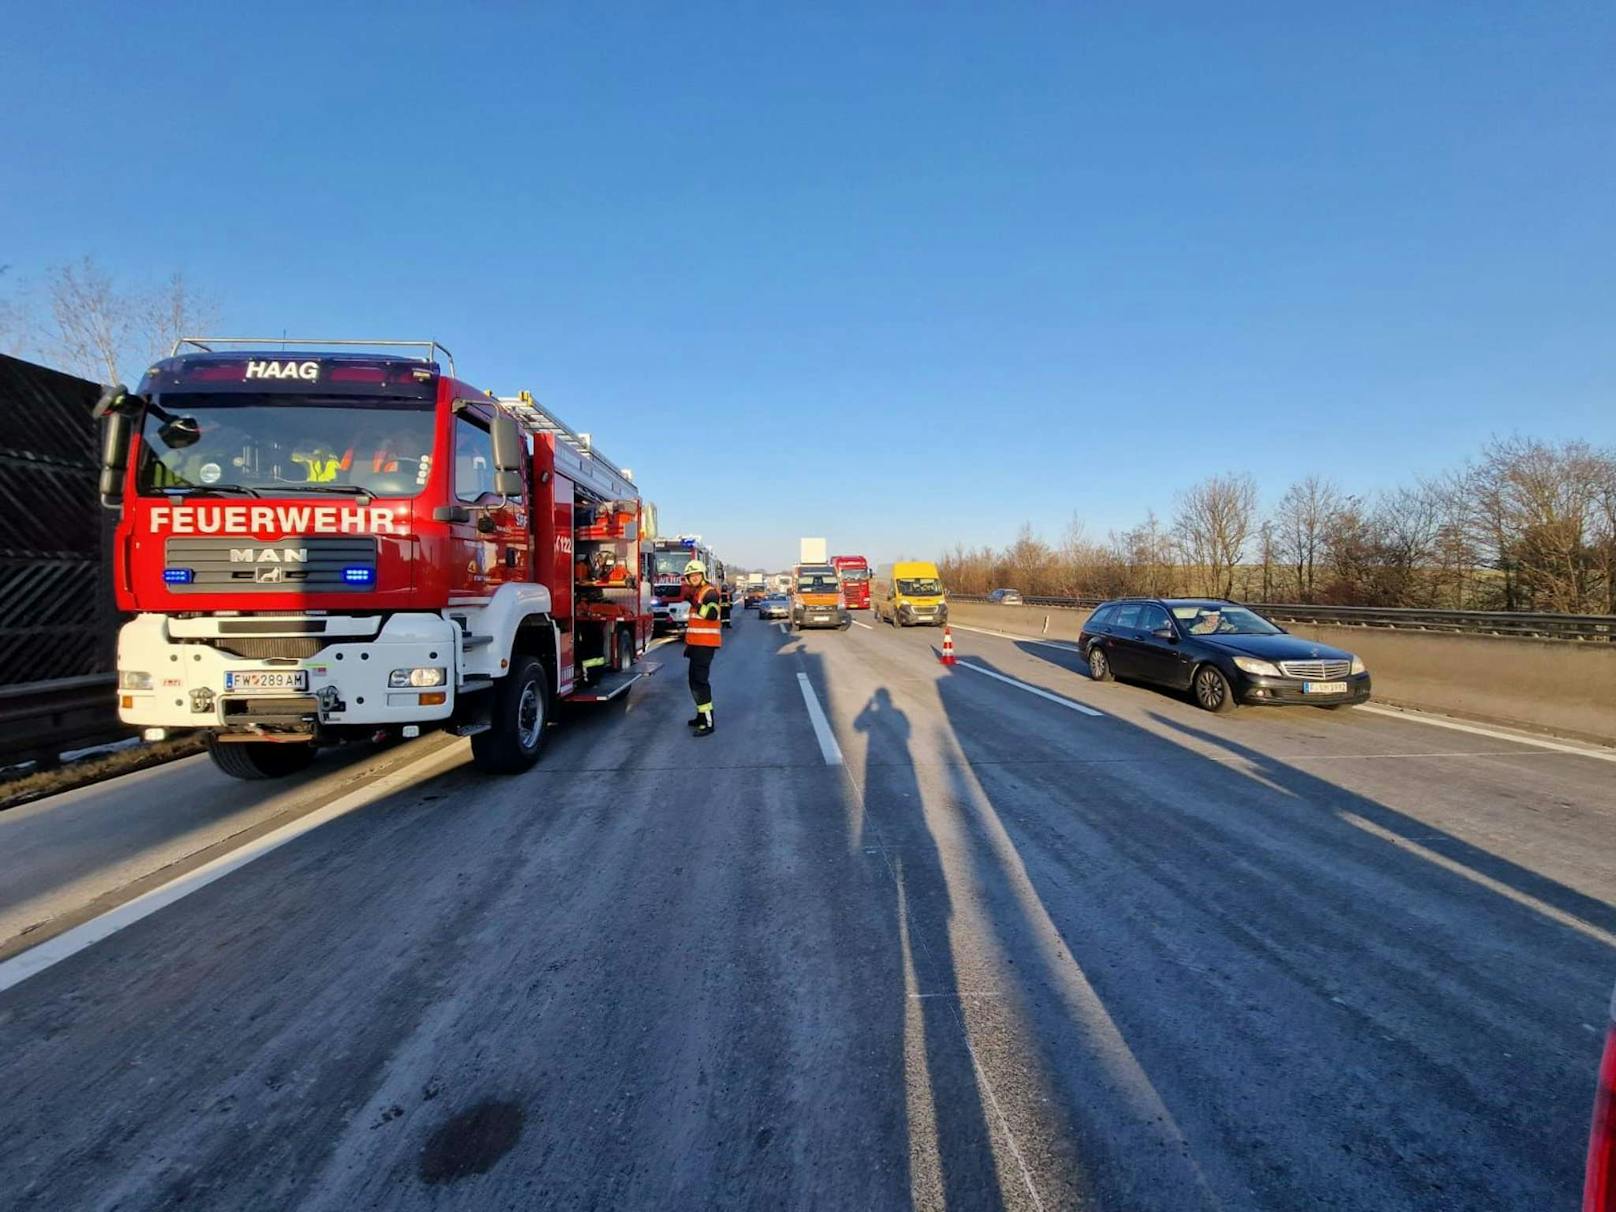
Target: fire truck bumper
{"x": 670, "y": 617}
{"x": 196, "y": 680}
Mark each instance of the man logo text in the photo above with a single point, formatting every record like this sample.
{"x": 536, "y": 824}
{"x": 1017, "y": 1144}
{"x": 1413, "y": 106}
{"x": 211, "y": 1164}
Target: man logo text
{"x": 269, "y": 555}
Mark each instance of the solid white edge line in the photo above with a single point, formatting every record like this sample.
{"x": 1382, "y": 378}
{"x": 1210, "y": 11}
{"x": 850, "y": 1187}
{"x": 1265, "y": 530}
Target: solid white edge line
{"x": 828, "y": 747}
{"x": 1005, "y": 635}
{"x": 1038, "y": 690}
{"x": 866, "y": 626}
{"x": 70, "y": 942}
{"x": 1421, "y": 717}
{"x": 783, "y": 629}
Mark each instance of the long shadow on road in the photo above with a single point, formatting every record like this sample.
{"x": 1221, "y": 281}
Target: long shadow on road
{"x": 947, "y": 1124}
{"x": 1323, "y": 1012}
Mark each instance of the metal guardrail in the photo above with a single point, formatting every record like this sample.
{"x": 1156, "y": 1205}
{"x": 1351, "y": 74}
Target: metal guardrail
{"x": 42, "y": 720}
{"x": 1583, "y": 627}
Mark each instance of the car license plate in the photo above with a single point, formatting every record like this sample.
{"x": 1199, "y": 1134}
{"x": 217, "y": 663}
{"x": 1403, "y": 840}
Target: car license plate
{"x": 267, "y": 679}
{"x": 1324, "y": 688}
{"x": 822, "y": 618}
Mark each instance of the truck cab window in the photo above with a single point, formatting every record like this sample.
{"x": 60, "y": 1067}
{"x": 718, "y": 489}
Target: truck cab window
{"x": 474, "y": 460}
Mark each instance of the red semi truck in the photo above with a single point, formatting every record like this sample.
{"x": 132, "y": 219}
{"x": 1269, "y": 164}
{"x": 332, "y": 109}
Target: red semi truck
{"x": 854, "y": 571}
{"x": 324, "y": 542}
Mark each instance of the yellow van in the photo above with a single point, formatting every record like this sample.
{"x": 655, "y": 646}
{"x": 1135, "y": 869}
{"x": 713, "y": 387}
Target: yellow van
{"x": 910, "y": 592}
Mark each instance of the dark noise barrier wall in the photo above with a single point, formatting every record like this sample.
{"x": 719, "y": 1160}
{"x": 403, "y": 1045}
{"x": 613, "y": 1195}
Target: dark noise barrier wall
{"x": 58, "y": 622}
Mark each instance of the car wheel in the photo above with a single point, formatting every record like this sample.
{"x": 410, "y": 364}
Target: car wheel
{"x": 1099, "y": 665}
{"x": 1212, "y": 690}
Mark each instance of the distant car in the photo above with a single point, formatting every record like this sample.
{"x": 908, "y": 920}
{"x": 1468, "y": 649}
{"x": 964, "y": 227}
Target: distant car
{"x": 1223, "y": 653}
{"x": 1006, "y": 597}
{"x": 754, "y": 598}
{"x": 775, "y": 606}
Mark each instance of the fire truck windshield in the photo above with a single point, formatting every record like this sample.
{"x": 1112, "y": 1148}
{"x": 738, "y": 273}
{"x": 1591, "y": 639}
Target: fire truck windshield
{"x": 273, "y": 445}
{"x": 672, "y": 563}
{"x": 854, "y": 574}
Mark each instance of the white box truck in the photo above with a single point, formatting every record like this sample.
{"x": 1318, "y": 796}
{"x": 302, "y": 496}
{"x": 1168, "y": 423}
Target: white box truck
{"x": 814, "y": 551}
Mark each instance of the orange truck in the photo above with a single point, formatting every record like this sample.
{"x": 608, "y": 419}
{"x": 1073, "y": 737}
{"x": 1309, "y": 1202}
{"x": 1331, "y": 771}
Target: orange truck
{"x": 817, "y": 599}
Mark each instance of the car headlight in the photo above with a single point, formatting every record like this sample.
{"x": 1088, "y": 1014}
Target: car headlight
{"x": 1358, "y": 666}
{"x": 128, "y": 679}
{"x": 1261, "y": 669}
{"x": 401, "y": 679}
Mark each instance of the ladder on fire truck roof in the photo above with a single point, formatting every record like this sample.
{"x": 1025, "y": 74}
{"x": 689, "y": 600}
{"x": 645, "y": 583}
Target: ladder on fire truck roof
{"x": 430, "y": 349}
{"x": 574, "y": 452}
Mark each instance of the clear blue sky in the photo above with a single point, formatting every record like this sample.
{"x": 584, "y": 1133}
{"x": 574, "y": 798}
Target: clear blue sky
{"x": 921, "y": 272}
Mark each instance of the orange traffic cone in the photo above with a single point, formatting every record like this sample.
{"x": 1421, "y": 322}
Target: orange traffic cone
{"x": 948, "y": 645}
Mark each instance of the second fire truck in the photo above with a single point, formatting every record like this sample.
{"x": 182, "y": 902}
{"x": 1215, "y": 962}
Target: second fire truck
{"x": 665, "y": 561}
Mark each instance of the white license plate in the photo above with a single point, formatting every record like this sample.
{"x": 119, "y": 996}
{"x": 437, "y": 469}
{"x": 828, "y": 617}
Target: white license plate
{"x": 267, "y": 679}
{"x": 1324, "y": 688}
{"x": 822, "y": 618}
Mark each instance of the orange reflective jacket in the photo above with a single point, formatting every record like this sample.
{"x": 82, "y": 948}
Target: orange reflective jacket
{"x": 704, "y": 629}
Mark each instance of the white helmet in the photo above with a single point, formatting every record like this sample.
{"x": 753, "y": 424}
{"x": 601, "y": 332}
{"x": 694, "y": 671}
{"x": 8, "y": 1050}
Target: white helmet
{"x": 695, "y": 568}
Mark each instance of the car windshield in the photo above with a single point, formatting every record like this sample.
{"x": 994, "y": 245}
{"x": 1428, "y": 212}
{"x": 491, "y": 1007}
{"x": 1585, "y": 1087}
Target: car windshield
{"x": 855, "y": 574}
{"x": 921, "y": 587}
{"x": 1223, "y": 620}
{"x": 273, "y": 445}
{"x": 817, "y": 582}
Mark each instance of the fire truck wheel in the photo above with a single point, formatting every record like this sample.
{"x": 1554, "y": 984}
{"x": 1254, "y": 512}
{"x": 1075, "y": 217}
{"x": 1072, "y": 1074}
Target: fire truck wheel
{"x": 625, "y": 649}
{"x": 259, "y": 759}
{"x": 521, "y": 711}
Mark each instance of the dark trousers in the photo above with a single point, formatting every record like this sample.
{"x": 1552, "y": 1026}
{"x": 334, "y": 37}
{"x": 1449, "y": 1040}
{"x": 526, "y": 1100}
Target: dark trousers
{"x": 701, "y": 664}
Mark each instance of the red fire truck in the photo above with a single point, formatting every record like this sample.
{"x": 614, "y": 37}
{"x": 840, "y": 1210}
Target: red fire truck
{"x": 665, "y": 561}
{"x": 855, "y": 574}
{"x": 323, "y": 542}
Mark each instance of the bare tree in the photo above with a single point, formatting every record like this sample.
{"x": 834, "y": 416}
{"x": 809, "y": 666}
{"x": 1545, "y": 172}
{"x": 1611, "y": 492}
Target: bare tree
{"x": 1147, "y": 558}
{"x": 1267, "y": 548}
{"x": 173, "y": 310}
{"x": 1605, "y": 534}
{"x": 12, "y": 326}
{"x": 1531, "y": 525}
{"x": 1455, "y": 555}
{"x": 1406, "y": 526}
{"x": 81, "y": 320}
{"x": 1539, "y": 507}
{"x": 1300, "y": 524}
{"x": 1213, "y": 523}
{"x": 93, "y": 323}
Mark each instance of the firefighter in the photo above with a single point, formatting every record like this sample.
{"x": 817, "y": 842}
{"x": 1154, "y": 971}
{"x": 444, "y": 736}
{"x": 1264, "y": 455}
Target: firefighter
{"x": 703, "y": 635}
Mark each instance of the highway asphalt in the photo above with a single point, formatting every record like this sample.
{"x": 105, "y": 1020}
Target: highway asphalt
{"x": 963, "y": 946}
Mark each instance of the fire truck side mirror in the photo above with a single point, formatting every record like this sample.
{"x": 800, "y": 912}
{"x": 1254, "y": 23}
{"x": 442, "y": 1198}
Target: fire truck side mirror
{"x": 508, "y": 483}
{"x": 507, "y": 441}
{"x": 117, "y": 427}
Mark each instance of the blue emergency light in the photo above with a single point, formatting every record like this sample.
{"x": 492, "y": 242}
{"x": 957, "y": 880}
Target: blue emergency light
{"x": 178, "y": 576}
{"x": 358, "y": 574}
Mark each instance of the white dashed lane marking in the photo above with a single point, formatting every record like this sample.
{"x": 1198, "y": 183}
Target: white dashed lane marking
{"x": 1038, "y": 690}
{"x": 827, "y": 739}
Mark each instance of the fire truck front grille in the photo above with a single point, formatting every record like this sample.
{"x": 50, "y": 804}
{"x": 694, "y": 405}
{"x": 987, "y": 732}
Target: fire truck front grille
{"x": 265, "y": 648}
{"x": 294, "y": 565}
